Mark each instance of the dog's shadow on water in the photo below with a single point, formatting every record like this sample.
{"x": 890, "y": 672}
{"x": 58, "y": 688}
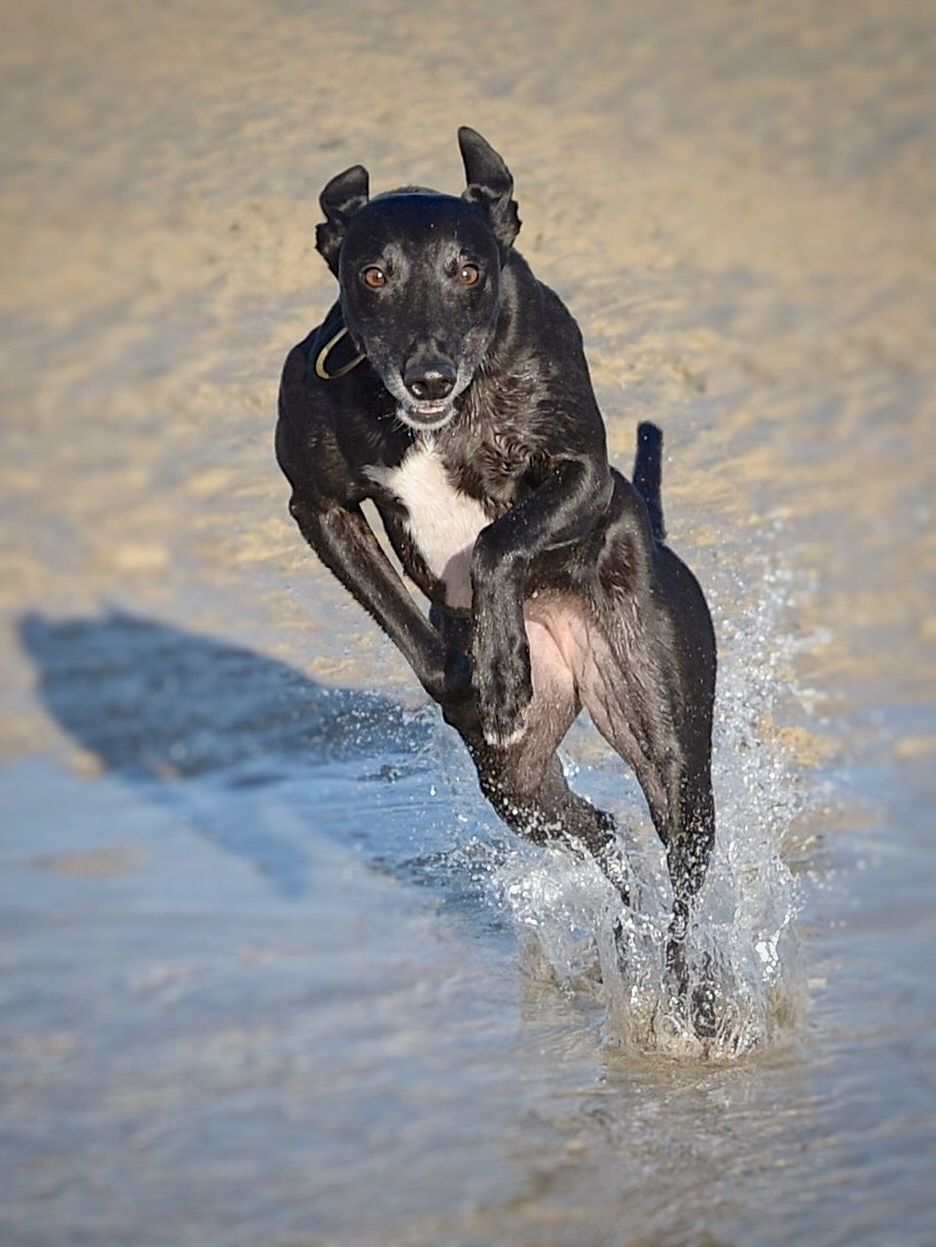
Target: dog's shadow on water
{"x": 188, "y": 717}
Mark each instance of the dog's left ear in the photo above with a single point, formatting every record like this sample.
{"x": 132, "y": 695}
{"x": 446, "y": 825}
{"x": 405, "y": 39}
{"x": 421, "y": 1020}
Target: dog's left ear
{"x": 490, "y": 185}
{"x": 342, "y": 197}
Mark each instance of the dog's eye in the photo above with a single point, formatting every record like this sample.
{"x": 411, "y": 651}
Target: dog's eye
{"x": 374, "y": 277}
{"x": 468, "y": 275}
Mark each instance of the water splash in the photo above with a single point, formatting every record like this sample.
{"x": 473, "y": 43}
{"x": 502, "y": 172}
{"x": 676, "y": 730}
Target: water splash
{"x": 742, "y": 943}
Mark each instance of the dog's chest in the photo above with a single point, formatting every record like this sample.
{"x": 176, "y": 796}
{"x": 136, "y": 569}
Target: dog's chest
{"x": 442, "y": 521}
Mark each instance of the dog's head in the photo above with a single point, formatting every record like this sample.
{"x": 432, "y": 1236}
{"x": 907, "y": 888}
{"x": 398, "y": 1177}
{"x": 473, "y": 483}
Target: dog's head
{"x": 420, "y": 276}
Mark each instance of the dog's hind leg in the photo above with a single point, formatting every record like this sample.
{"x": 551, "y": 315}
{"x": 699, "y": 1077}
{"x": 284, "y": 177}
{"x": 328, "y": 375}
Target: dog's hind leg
{"x": 648, "y": 683}
{"x": 632, "y": 705}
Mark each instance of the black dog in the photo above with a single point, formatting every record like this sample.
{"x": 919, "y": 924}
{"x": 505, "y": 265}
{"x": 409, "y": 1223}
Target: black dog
{"x": 450, "y": 386}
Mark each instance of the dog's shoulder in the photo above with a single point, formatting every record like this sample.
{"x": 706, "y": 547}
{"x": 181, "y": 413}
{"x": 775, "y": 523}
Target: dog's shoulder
{"x": 294, "y": 378}
{"x": 305, "y": 417}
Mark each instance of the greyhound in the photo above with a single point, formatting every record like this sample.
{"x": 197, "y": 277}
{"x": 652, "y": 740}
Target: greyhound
{"x": 449, "y": 386}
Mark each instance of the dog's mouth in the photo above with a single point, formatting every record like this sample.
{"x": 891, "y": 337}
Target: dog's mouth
{"x": 426, "y": 415}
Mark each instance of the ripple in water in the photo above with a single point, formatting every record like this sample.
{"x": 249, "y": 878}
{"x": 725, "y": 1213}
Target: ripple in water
{"x": 577, "y": 933}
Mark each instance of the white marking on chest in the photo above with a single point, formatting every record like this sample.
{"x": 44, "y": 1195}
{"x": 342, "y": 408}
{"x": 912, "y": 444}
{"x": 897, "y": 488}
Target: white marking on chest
{"x": 443, "y": 522}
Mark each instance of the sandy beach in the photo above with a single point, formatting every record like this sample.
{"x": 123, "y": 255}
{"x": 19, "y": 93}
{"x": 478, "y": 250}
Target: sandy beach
{"x": 220, "y": 987}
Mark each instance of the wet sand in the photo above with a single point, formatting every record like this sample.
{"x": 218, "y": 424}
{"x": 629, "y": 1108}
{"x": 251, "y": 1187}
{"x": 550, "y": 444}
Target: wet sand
{"x": 260, "y": 979}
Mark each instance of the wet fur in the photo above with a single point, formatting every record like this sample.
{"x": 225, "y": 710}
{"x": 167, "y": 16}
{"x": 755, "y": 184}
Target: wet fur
{"x": 567, "y": 595}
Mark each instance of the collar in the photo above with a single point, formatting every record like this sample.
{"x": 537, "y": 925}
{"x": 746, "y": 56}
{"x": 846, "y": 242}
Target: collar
{"x": 322, "y": 358}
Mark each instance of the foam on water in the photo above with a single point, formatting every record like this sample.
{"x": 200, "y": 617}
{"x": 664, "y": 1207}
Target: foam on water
{"x": 742, "y": 936}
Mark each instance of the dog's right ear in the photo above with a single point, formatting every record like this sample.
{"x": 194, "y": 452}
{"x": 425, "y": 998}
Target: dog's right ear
{"x": 342, "y": 197}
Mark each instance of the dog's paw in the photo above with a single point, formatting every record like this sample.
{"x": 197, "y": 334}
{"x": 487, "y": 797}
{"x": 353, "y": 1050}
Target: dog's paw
{"x": 694, "y": 1003}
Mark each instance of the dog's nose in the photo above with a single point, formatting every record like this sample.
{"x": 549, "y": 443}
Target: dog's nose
{"x": 429, "y": 380}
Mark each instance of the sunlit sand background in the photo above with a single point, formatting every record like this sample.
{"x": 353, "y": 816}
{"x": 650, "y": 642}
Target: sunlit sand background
{"x": 258, "y": 985}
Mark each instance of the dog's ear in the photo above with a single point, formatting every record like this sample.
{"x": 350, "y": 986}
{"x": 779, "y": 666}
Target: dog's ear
{"x": 342, "y": 197}
{"x": 490, "y": 185}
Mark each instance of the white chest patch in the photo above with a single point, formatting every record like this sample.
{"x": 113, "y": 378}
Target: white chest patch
{"x": 443, "y": 522}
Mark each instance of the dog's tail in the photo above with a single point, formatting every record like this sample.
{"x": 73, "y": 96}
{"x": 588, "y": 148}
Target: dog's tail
{"x": 647, "y": 474}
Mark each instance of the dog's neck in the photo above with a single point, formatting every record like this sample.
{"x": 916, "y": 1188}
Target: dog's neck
{"x": 511, "y": 350}
{"x": 518, "y": 287}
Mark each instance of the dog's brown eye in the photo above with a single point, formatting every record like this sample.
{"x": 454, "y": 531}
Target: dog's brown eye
{"x": 468, "y": 275}
{"x": 374, "y": 277}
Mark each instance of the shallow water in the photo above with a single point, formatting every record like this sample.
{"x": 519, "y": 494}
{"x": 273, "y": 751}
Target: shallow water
{"x": 272, "y": 972}
{"x": 278, "y": 953}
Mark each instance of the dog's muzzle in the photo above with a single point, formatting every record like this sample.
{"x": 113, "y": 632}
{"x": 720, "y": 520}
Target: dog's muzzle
{"x": 426, "y": 395}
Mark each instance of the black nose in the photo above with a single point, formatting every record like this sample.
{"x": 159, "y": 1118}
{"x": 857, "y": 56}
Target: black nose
{"x": 429, "y": 379}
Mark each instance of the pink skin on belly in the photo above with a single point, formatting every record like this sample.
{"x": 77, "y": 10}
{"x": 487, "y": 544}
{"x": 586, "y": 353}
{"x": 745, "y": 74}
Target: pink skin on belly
{"x": 557, "y": 630}
{"x": 573, "y": 665}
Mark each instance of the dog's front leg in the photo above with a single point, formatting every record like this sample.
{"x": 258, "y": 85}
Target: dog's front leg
{"x": 345, "y": 542}
{"x": 563, "y": 510}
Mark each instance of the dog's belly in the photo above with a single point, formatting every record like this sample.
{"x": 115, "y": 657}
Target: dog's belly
{"x": 442, "y": 521}
{"x": 558, "y": 631}
{"x": 571, "y": 660}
